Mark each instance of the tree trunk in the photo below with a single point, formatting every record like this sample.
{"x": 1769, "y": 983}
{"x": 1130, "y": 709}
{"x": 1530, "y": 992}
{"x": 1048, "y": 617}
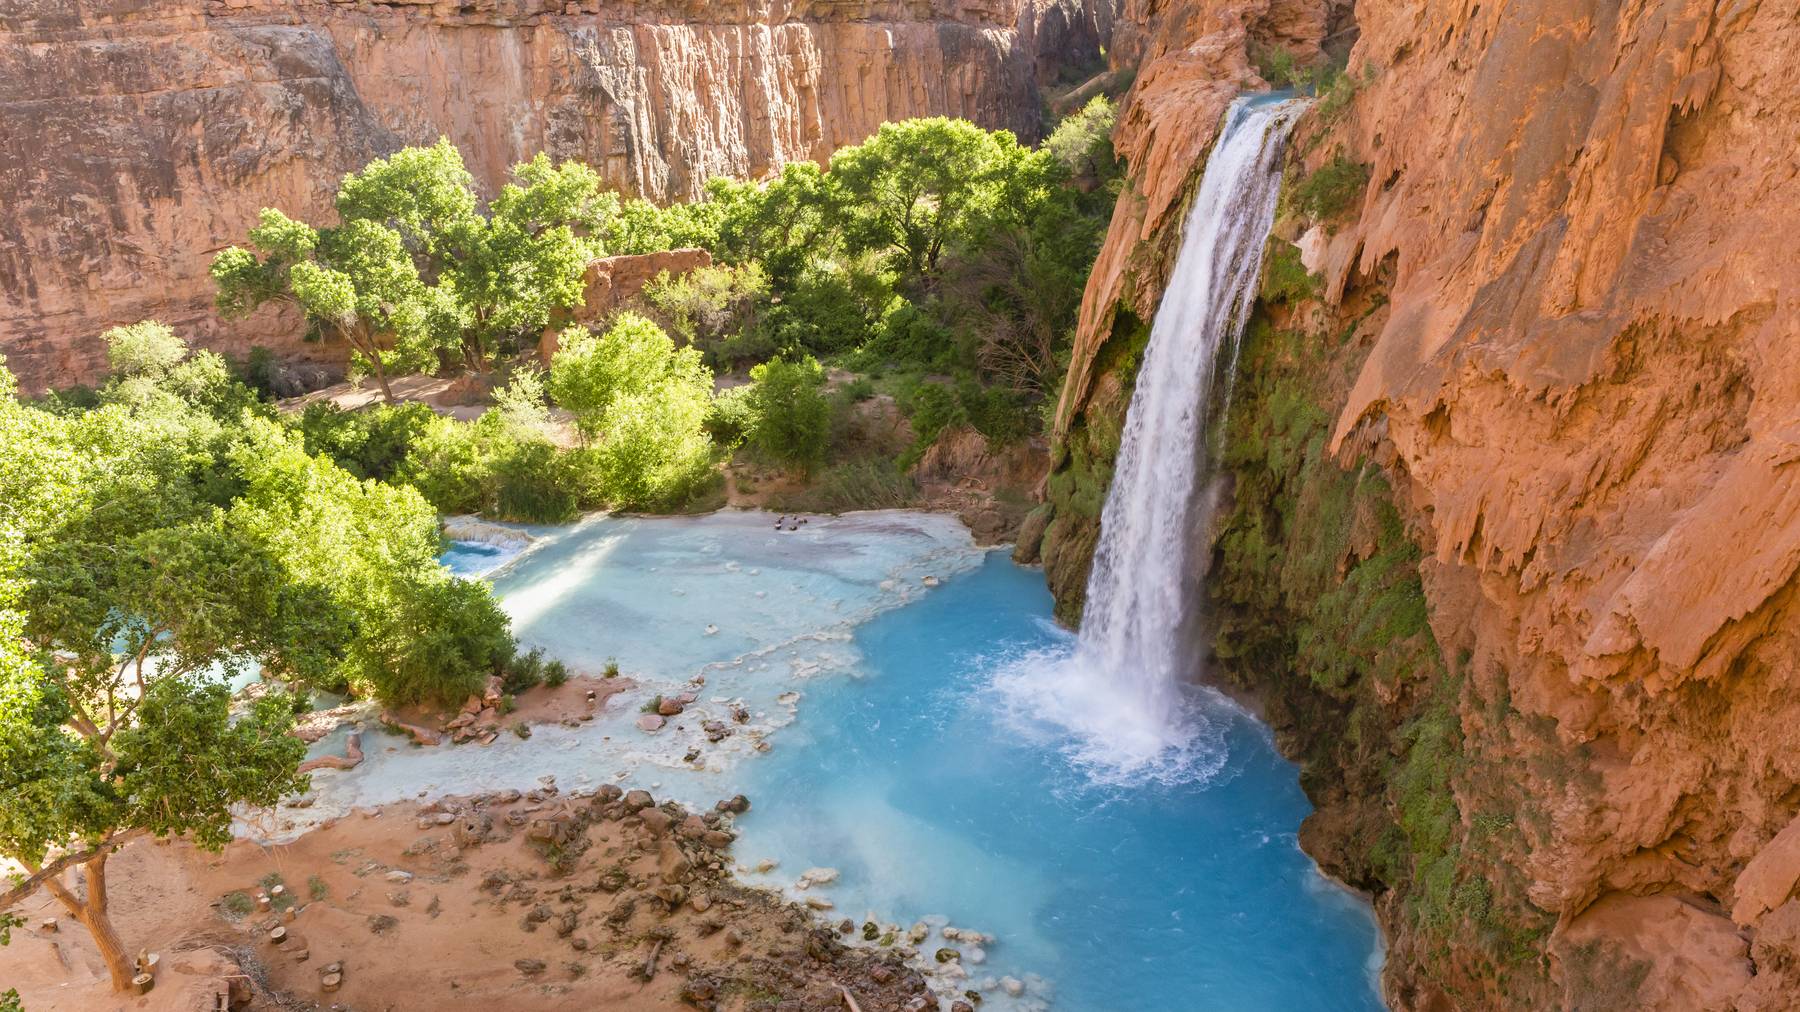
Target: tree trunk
{"x": 92, "y": 915}
{"x": 362, "y": 341}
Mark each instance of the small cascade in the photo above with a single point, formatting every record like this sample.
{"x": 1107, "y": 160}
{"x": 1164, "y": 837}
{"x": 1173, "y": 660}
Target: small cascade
{"x": 1122, "y": 693}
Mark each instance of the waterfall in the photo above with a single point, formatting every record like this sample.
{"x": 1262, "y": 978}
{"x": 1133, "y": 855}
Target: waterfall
{"x": 1124, "y": 692}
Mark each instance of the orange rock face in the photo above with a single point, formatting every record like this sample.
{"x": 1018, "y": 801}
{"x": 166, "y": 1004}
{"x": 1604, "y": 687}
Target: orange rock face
{"x": 143, "y": 136}
{"x": 1589, "y": 381}
{"x": 1586, "y": 392}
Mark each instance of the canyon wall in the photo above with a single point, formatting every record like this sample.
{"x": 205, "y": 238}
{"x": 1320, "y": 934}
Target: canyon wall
{"x": 144, "y": 135}
{"x": 1515, "y": 547}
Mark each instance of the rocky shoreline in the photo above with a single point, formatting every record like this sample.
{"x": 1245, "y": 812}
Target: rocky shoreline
{"x": 598, "y": 897}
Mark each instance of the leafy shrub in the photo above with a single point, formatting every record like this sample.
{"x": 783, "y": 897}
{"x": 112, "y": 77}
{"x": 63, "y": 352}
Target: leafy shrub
{"x": 143, "y": 349}
{"x": 535, "y": 482}
{"x": 369, "y": 443}
{"x": 710, "y": 307}
{"x": 523, "y": 670}
{"x": 1331, "y": 189}
{"x": 556, "y": 673}
{"x": 792, "y": 417}
{"x": 730, "y": 416}
{"x": 1082, "y": 142}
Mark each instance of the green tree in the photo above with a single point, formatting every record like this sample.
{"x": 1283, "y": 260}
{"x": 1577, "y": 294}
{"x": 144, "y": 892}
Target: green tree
{"x": 528, "y": 260}
{"x": 792, "y": 417}
{"x": 143, "y": 349}
{"x": 416, "y": 270}
{"x": 640, "y": 403}
{"x": 589, "y": 371}
{"x": 357, "y": 282}
{"x": 123, "y": 596}
{"x": 914, "y": 187}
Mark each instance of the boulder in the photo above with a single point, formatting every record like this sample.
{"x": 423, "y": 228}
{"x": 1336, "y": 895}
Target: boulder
{"x": 656, "y": 821}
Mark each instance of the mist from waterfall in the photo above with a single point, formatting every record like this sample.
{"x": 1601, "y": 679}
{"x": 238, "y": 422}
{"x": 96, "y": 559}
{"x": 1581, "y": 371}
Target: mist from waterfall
{"x": 1124, "y": 692}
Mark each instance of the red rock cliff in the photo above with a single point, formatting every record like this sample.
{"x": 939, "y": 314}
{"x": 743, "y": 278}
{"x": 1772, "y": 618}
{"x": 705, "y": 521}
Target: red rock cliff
{"x": 143, "y": 135}
{"x": 1582, "y": 378}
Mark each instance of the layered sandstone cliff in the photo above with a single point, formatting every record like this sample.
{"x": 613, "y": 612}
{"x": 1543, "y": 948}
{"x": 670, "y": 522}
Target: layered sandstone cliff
{"x": 1558, "y": 324}
{"x": 143, "y": 135}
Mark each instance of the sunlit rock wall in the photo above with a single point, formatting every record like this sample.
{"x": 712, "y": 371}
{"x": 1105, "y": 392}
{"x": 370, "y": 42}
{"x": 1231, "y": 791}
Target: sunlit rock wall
{"x": 143, "y": 135}
{"x": 1580, "y": 382}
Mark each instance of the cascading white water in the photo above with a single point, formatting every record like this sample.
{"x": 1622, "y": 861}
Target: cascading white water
{"x": 1122, "y": 691}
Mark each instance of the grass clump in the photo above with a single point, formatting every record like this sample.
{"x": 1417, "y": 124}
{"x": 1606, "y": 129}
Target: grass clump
{"x": 237, "y": 904}
{"x": 854, "y": 485}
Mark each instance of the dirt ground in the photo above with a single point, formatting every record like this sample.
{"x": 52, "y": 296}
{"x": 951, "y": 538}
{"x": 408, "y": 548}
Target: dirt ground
{"x": 497, "y": 902}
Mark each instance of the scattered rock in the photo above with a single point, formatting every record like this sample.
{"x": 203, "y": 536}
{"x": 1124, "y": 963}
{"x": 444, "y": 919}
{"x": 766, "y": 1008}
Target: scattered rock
{"x": 650, "y": 722}
{"x": 656, "y": 821}
{"x": 817, "y": 876}
{"x": 1012, "y": 986}
{"x": 529, "y": 967}
{"x": 670, "y": 707}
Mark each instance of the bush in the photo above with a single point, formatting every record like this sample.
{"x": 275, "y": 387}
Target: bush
{"x": 792, "y": 417}
{"x": 1331, "y": 189}
{"x": 656, "y": 452}
{"x": 711, "y": 306}
{"x": 556, "y": 673}
{"x": 143, "y": 349}
{"x": 911, "y": 335}
{"x": 523, "y": 671}
{"x": 1082, "y": 142}
{"x": 535, "y": 482}
{"x": 370, "y": 443}
{"x": 444, "y": 637}
{"x": 730, "y": 416}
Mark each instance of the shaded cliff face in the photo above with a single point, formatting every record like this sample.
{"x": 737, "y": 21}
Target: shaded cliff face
{"x": 145, "y": 134}
{"x": 1558, "y": 324}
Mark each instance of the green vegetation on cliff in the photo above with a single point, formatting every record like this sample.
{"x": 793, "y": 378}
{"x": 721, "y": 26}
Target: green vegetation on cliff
{"x": 1320, "y": 609}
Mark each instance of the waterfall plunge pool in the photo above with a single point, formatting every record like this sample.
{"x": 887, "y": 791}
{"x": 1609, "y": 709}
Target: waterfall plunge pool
{"x": 899, "y": 757}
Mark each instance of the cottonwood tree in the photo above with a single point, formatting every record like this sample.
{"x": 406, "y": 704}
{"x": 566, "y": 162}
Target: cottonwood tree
{"x": 914, "y": 187}
{"x": 119, "y": 612}
{"x": 417, "y": 270}
{"x": 356, "y": 282}
{"x": 151, "y": 548}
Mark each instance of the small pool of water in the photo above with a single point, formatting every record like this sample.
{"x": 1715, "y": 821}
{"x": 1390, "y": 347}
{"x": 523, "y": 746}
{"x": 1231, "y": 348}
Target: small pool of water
{"x": 881, "y": 656}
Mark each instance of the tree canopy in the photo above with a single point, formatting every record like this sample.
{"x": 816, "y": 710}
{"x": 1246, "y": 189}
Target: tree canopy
{"x": 416, "y": 271}
{"x": 153, "y": 546}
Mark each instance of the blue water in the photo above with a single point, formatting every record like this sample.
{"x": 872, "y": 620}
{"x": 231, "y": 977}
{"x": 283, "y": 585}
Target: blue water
{"x": 928, "y": 801}
{"x": 882, "y": 659}
{"x": 472, "y": 558}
